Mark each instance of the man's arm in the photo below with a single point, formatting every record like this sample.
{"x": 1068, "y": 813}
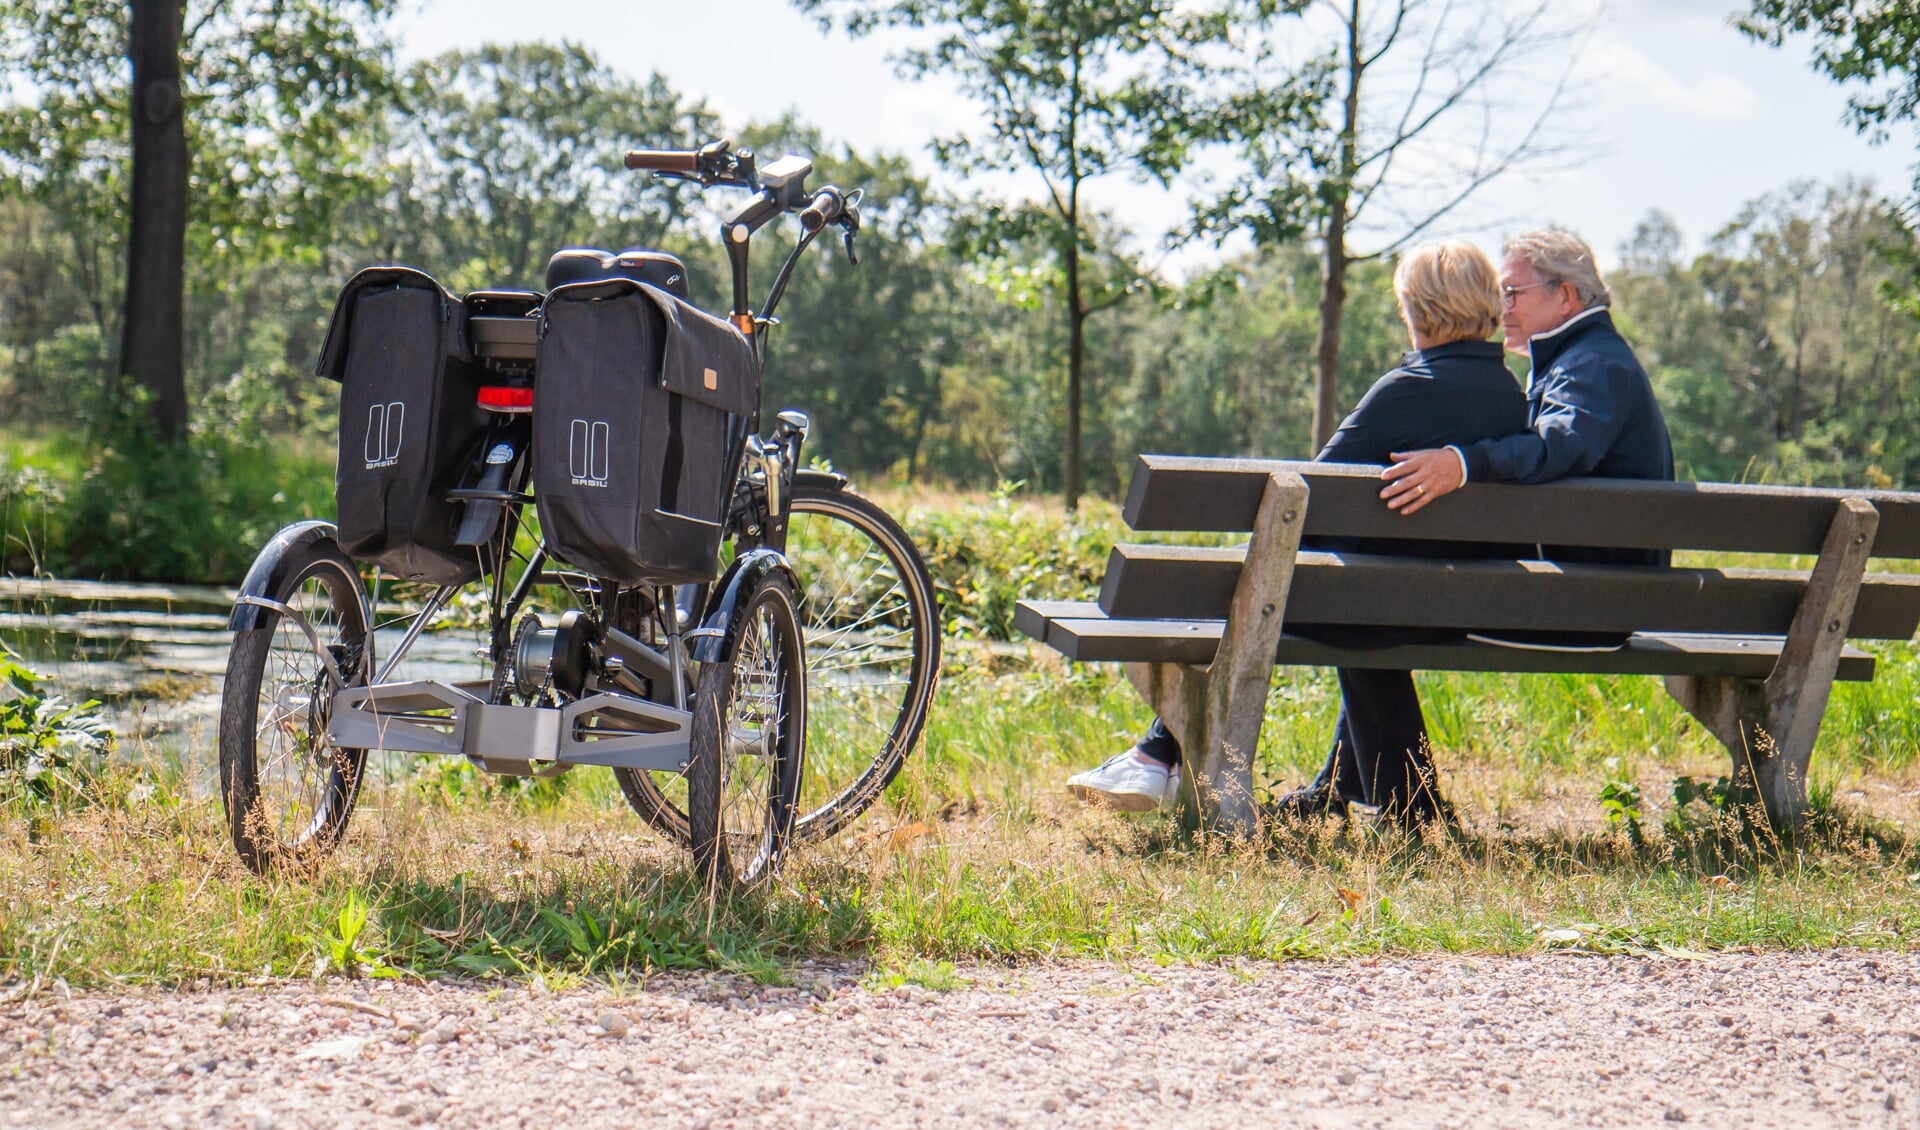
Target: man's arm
{"x": 1580, "y": 419}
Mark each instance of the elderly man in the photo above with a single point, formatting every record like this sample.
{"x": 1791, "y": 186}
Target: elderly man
{"x": 1590, "y": 407}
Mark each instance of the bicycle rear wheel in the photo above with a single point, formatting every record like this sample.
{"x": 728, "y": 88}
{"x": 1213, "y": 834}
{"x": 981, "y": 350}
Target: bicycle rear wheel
{"x": 872, "y": 629}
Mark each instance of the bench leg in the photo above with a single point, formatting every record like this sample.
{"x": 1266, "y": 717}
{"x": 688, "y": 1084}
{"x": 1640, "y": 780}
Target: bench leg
{"x": 1219, "y": 711}
{"x": 1770, "y": 727}
{"x": 1178, "y": 693}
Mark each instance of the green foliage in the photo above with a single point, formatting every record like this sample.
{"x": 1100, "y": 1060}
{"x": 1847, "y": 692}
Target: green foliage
{"x": 51, "y": 751}
{"x": 985, "y": 557}
{"x": 137, "y": 508}
{"x": 340, "y": 949}
{"x": 280, "y": 102}
{"x": 1620, "y": 805}
{"x": 1776, "y": 353}
{"x": 33, "y": 515}
{"x": 503, "y": 154}
{"x": 1872, "y": 50}
{"x": 1070, "y": 92}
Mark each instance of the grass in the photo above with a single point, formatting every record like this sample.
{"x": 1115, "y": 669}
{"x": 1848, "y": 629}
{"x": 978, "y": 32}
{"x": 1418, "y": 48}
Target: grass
{"x": 1576, "y": 837}
{"x": 977, "y": 856}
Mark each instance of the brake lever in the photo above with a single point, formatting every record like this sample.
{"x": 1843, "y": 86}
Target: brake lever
{"x": 850, "y": 225}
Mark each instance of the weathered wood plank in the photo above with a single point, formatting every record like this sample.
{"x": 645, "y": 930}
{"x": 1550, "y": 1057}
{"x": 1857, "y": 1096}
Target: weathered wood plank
{"x": 1191, "y": 493}
{"x": 1196, "y": 583}
{"x": 1097, "y": 639}
{"x": 1769, "y": 727}
{"x": 1221, "y": 767}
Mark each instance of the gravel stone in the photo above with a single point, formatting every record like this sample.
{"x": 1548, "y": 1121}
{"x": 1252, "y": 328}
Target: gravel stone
{"x": 613, "y": 1023}
{"x": 1763, "y": 1041}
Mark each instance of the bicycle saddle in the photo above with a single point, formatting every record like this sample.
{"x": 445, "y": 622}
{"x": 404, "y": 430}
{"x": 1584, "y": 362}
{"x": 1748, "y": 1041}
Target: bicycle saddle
{"x": 590, "y": 264}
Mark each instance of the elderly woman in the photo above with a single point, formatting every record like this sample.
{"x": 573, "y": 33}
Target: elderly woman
{"x": 1452, "y": 390}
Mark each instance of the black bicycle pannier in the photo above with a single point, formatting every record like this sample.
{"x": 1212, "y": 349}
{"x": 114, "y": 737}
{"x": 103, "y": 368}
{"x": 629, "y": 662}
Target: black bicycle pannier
{"x": 409, "y": 423}
{"x": 639, "y": 415}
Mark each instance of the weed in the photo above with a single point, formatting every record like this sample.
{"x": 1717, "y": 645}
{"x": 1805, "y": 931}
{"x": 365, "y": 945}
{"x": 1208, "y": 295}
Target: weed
{"x": 934, "y": 976}
{"x": 51, "y": 750}
{"x": 340, "y": 950}
{"x": 1620, "y": 805}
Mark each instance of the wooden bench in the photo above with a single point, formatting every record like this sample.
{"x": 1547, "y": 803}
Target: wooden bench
{"x": 1751, "y": 653}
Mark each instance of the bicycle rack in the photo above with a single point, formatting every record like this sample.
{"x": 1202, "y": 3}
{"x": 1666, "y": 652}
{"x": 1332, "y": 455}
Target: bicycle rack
{"x": 430, "y": 717}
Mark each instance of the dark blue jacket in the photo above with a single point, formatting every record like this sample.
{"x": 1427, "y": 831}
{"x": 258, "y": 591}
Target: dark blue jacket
{"x": 1457, "y": 393}
{"x": 1590, "y": 411}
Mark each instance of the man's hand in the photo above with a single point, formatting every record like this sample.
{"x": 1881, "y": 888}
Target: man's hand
{"x": 1418, "y": 477}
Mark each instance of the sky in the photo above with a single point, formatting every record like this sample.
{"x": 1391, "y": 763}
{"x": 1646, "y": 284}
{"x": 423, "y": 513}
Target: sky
{"x": 1674, "y": 109}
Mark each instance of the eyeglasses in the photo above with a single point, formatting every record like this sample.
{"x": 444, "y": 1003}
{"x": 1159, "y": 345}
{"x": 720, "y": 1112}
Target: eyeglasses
{"x": 1511, "y": 294}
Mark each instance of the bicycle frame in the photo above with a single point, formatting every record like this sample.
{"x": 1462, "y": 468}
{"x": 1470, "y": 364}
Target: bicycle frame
{"x": 609, "y": 721}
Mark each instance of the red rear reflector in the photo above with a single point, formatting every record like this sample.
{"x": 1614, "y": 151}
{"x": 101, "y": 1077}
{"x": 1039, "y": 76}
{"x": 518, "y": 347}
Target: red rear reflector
{"x": 509, "y": 399}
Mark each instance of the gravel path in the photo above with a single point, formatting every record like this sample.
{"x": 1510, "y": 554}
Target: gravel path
{"x": 1767, "y": 1041}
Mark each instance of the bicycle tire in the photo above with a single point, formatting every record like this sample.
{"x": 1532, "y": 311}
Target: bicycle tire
{"x": 831, "y": 796}
{"x": 747, "y": 745}
{"x": 287, "y": 793}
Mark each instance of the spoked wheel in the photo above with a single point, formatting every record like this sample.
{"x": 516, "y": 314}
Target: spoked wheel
{"x": 287, "y": 792}
{"x": 749, "y": 730}
{"x": 872, "y": 628}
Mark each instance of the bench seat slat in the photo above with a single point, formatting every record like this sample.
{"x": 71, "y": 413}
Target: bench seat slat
{"x": 1080, "y": 631}
{"x": 1172, "y": 493}
{"x": 1196, "y": 583}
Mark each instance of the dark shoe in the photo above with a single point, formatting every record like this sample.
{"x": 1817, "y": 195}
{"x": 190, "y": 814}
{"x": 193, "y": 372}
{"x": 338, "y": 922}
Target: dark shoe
{"x": 1305, "y": 803}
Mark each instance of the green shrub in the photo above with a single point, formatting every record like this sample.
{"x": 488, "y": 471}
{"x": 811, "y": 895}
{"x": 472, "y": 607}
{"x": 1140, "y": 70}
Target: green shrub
{"x": 51, "y": 750}
{"x": 987, "y": 555}
{"x": 135, "y": 508}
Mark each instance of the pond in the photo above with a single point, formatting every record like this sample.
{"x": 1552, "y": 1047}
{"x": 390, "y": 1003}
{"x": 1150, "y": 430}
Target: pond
{"x": 155, "y": 655}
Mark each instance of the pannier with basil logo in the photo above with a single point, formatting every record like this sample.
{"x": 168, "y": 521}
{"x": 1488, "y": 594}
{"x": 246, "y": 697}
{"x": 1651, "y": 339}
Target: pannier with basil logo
{"x": 642, "y": 408}
{"x": 409, "y": 424}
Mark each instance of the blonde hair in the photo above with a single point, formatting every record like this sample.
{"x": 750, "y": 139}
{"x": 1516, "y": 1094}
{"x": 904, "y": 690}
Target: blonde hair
{"x": 1559, "y": 256}
{"x": 1448, "y": 291}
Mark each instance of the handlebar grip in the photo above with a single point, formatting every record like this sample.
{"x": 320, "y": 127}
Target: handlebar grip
{"x": 664, "y": 160}
{"x": 827, "y": 207}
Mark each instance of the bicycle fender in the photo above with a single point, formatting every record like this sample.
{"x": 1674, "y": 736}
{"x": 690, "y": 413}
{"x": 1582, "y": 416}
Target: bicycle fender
{"x": 719, "y": 631}
{"x": 826, "y": 480}
{"x": 269, "y": 568}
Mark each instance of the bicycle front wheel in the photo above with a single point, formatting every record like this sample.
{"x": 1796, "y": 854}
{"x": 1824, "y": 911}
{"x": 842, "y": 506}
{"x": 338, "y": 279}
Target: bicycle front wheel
{"x": 744, "y": 761}
{"x": 872, "y": 630}
{"x": 288, "y": 792}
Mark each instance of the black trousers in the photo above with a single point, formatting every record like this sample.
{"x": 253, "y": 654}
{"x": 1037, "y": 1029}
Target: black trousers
{"x": 1380, "y": 754}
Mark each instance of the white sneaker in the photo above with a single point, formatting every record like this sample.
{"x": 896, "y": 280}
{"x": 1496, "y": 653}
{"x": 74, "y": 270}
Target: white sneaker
{"x": 1129, "y": 782}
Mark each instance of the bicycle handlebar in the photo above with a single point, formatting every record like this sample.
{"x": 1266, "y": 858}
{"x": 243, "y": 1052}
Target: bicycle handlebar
{"x": 664, "y": 160}
{"x": 827, "y": 206}
{"x": 779, "y": 188}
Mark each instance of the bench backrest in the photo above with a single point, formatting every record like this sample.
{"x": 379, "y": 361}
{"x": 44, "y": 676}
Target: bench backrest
{"x": 1196, "y": 494}
{"x": 1183, "y": 493}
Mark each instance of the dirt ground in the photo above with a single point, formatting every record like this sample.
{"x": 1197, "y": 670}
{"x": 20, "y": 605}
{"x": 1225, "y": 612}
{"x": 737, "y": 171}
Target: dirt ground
{"x": 1790, "y": 1040}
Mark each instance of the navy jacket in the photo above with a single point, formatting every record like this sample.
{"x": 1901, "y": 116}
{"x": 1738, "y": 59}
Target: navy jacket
{"x": 1457, "y": 393}
{"x": 1590, "y": 411}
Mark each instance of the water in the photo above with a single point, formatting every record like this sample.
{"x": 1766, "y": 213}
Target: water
{"x": 155, "y": 655}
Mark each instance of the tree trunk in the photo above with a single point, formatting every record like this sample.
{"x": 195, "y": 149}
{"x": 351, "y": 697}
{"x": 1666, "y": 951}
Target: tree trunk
{"x": 1076, "y": 347}
{"x": 152, "y": 342}
{"x": 1333, "y": 300}
{"x": 1333, "y": 284}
